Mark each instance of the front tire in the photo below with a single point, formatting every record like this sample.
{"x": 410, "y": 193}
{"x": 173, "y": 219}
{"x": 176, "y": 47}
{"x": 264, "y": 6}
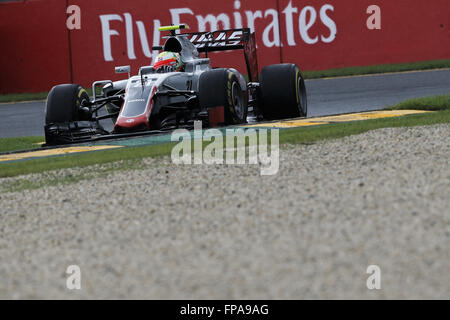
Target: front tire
{"x": 220, "y": 87}
{"x": 64, "y": 104}
{"x": 282, "y": 92}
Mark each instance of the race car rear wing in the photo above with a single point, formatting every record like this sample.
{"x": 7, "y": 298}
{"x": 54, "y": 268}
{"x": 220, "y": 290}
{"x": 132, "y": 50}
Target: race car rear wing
{"x": 232, "y": 39}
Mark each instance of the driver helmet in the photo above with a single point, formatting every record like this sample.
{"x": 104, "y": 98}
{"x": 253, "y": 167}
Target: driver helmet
{"x": 170, "y": 61}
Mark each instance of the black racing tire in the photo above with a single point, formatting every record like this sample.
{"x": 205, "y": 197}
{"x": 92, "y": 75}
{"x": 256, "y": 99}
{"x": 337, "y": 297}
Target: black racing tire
{"x": 63, "y": 104}
{"x": 220, "y": 87}
{"x": 282, "y": 92}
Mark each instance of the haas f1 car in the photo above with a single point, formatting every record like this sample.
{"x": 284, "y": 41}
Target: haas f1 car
{"x": 180, "y": 88}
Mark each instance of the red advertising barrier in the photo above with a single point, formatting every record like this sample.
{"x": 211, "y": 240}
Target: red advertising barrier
{"x": 411, "y": 31}
{"x": 38, "y": 50}
{"x": 34, "y": 47}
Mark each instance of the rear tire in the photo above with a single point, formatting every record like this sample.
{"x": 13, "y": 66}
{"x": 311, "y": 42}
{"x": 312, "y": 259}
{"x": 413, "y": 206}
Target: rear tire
{"x": 64, "y": 102}
{"x": 220, "y": 87}
{"x": 282, "y": 92}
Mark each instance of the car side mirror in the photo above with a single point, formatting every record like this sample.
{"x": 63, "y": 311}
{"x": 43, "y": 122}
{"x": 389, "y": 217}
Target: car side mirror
{"x": 123, "y": 69}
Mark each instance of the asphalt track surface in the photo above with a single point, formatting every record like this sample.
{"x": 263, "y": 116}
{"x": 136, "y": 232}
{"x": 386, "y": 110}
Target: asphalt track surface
{"x": 325, "y": 97}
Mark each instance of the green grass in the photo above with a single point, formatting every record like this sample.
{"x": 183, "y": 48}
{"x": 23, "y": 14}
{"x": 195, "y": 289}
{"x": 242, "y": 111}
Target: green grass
{"x": 22, "y": 143}
{"x": 19, "y": 97}
{"x": 384, "y": 68}
{"x": 292, "y": 136}
{"x": 341, "y": 72}
{"x": 433, "y": 103}
{"x": 83, "y": 159}
{"x": 339, "y": 130}
{"x": 22, "y": 97}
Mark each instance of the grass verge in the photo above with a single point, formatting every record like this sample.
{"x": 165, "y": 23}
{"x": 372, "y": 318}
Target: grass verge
{"x": 292, "y": 136}
{"x": 339, "y": 130}
{"x": 383, "y": 68}
{"x": 23, "y": 97}
{"x": 21, "y": 143}
{"x": 341, "y": 72}
{"x": 434, "y": 103}
{"x": 19, "y": 97}
{"x": 82, "y": 159}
